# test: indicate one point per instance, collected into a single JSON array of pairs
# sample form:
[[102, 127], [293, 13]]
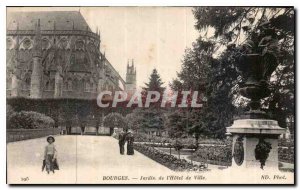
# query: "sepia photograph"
[[150, 95]]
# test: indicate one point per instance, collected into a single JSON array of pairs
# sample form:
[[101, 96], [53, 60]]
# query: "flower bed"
[[214, 154], [167, 160], [213, 151], [286, 154], [187, 142]]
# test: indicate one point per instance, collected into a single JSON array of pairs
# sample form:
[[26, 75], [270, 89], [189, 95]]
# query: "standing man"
[[122, 142]]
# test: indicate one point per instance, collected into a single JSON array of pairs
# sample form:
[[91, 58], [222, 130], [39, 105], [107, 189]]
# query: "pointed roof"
[[63, 20]]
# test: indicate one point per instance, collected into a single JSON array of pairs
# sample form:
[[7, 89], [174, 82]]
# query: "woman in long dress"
[[130, 140]]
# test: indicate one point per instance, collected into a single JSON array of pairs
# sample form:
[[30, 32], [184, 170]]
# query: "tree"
[[176, 124], [211, 62], [114, 120], [155, 83], [233, 26], [134, 120], [152, 117]]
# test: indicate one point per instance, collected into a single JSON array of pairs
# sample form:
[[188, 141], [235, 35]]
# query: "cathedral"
[[57, 55]]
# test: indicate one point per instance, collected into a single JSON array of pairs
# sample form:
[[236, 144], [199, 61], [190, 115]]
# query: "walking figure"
[[130, 140], [122, 142], [50, 155]]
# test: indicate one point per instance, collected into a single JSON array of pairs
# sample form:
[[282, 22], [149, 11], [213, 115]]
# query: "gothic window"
[[9, 43], [26, 83], [63, 43], [87, 87], [75, 84], [52, 84], [27, 43], [81, 85], [94, 88], [92, 47], [66, 86], [79, 45], [47, 85], [45, 44], [70, 85], [72, 59]]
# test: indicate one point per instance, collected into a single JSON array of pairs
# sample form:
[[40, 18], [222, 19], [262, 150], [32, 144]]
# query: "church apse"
[[55, 54]]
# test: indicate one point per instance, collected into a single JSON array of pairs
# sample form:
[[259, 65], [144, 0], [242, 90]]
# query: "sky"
[[155, 37]]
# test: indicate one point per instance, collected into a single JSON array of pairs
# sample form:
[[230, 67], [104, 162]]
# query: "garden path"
[[97, 156]]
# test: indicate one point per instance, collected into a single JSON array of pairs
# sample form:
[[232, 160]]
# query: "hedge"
[[29, 120], [65, 109]]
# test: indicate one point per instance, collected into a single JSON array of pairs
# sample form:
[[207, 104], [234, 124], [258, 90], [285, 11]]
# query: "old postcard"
[[150, 95]]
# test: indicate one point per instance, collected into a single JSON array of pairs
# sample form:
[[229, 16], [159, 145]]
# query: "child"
[[50, 155]]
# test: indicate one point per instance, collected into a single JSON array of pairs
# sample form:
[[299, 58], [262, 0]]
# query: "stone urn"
[[255, 72]]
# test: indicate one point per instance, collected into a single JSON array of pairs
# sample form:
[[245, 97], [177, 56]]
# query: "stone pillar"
[[37, 70], [15, 85], [58, 83], [35, 89], [248, 136]]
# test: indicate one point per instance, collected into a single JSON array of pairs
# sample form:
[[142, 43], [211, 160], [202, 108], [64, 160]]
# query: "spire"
[[37, 38], [132, 63], [127, 64]]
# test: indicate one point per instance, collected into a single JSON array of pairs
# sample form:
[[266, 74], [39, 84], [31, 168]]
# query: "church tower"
[[130, 86], [37, 70]]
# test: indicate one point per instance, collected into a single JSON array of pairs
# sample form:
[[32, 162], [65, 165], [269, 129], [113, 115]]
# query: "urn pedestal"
[[255, 144]]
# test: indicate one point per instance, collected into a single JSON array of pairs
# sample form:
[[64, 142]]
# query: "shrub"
[[29, 120]]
